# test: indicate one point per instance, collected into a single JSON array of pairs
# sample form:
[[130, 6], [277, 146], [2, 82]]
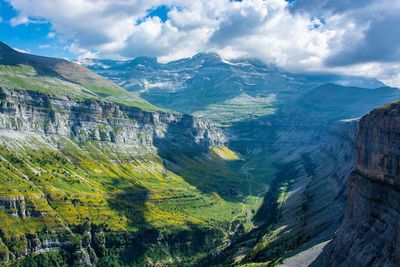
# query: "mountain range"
[[195, 162], [205, 84]]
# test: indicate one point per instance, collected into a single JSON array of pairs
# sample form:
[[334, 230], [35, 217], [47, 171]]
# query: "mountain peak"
[[4, 48], [208, 56], [4, 45], [144, 60]]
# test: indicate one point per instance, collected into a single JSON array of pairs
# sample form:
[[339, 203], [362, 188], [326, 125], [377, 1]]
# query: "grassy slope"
[[61, 77], [112, 188], [240, 108]]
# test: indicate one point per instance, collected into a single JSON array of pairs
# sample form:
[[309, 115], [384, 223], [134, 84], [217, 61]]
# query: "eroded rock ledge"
[[90, 119]]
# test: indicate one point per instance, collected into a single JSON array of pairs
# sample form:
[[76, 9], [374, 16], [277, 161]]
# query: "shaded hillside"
[[307, 151], [346, 102]]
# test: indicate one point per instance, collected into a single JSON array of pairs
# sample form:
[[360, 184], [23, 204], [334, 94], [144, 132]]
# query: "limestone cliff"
[[369, 235], [86, 119]]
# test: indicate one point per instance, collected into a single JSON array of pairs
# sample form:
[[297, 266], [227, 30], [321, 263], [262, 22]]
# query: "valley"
[[196, 162], [296, 132]]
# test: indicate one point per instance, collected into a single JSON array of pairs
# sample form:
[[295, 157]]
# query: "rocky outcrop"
[[19, 206], [369, 235], [87, 119], [15, 206]]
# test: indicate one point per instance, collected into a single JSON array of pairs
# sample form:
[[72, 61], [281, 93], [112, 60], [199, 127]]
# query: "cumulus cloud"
[[380, 42], [241, 20], [302, 35], [375, 36], [122, 28]]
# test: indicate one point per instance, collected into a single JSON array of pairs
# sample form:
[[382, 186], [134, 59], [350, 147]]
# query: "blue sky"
[[360, 37], [33, 38]]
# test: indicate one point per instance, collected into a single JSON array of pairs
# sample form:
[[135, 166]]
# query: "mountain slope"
[[86, 179], [345, 101], [61, 77]]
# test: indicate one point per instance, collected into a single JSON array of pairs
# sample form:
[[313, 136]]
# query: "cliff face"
[[84, 120], [89, 170], [369, 235], [127, 142]]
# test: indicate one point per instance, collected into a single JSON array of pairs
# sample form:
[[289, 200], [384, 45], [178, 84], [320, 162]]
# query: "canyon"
[[197, 162]]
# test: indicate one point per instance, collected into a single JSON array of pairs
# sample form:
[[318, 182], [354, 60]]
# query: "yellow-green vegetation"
[[25, 77], [224, 153], [69, 183], [133, 100]]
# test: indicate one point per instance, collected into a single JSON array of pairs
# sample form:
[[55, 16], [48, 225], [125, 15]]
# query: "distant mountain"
[[193, 84], [345, 101]]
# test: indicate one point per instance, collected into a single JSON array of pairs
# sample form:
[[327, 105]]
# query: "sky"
[[360, 37]]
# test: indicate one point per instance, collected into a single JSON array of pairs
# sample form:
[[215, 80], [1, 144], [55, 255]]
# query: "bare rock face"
[[85, 120], [370, 233]]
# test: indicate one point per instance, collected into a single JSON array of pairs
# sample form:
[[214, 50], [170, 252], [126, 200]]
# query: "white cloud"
[[51, 35], [18, 20], [389, 73], [229, 27], [266, 29], [81, 52]]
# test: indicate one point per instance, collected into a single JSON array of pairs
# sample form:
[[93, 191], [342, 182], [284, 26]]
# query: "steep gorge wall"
[[309, 202], [369, 235], [83, 120]]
